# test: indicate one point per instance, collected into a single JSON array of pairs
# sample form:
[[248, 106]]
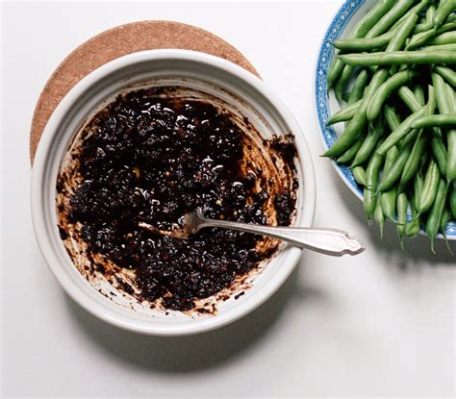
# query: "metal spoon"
[[326, 241]]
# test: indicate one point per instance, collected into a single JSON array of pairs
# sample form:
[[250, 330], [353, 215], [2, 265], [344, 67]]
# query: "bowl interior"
[[196, 71], [342, 24]]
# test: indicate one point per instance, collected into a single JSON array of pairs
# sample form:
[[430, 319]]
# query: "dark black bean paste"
[[151, 159]]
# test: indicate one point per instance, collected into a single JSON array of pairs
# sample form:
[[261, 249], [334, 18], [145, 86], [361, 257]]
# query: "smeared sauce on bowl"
[[151, 155]]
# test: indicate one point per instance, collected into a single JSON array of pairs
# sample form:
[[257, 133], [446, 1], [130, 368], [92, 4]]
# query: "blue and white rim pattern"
[[337, 26]]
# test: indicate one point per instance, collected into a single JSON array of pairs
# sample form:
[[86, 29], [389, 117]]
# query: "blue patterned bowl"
[[326, 104]]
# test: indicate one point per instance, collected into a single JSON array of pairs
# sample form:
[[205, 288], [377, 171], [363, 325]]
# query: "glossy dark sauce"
[[152, 158]]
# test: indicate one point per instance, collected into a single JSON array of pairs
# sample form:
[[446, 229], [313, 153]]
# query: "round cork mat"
[[117, 42]]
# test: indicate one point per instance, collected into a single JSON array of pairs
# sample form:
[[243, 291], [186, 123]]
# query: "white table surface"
[[380, 324]]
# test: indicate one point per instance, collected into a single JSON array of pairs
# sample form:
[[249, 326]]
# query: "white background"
[[380, 324]]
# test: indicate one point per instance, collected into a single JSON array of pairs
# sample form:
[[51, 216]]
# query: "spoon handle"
[[324, 240]]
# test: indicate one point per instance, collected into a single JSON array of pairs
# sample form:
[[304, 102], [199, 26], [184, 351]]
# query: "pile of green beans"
[[395, 77]]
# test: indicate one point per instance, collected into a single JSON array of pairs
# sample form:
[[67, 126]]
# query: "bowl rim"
[[48, 246], [326, 53]]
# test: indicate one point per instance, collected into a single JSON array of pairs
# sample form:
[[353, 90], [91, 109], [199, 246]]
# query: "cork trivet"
[[119, 41]]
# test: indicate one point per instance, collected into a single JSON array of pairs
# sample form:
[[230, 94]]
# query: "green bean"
[[409, 99], [448, 26], [372, 18], [368, 145], [400, 58], [432, 101], [417, 9], [392, 176], [440, 153], [345, 113], [451, 138], [428, 25], [388, 201], [377, 80], [418, 185], [360, 30], [443, 11], [403, 32], [430, 14], [443, 100], [427, 37], [441, 47], [419, 94], [410, 138], [436, 212], [352, 132], [372, 172], [446, 217], [389, 18], [370, 201], [446, 104], [422, 6], [412, 227], [385, 90], [400, 37], [348, 155], [334, 71], [428, 121], [357, 91], [390, 158], [444, 38], [360, 175], [419, 39], [430, 107], [413, 162], [452, 94], [391, 117], [402, 205], [363, 44], [359, 121], [453, 201], [379, 217], [430, 185], [341, 84], [403, 129], [448, 74], [422, 26]]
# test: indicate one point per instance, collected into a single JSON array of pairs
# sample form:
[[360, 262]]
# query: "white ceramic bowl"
[[205, 72]]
